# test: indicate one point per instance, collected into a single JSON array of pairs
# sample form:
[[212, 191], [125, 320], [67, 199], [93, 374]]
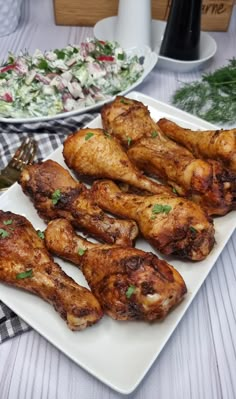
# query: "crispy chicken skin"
[[40, 181], [180, 169], [215, 144], [173, 225], [127, 120], [202, 181], [23, 251], [92, 153], [129, 283]]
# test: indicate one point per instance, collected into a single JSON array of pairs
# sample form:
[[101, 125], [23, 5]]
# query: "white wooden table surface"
[[199, 360]]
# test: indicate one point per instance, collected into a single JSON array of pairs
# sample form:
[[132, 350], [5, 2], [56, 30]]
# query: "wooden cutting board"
[[215, 13]]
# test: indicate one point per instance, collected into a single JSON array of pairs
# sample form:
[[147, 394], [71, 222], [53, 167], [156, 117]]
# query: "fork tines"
[[24, 155]]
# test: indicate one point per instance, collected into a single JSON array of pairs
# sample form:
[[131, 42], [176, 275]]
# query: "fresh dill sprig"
[[213, 98]]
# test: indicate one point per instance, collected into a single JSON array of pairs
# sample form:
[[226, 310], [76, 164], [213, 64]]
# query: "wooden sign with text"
[[215, 13]]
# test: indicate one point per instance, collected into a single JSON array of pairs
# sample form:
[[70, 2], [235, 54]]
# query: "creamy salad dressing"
[[64, 80]]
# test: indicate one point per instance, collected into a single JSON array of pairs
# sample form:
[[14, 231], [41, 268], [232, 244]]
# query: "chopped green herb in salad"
[[67, 79]]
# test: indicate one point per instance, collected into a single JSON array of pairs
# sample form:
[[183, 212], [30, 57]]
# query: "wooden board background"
[[215, 13]]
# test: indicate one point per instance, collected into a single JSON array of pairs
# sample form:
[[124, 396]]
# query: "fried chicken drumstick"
[[125, 118], [214, 144], [130, 284], [94, 154], [26, 263], [56, 194], [184, 172], [206, 183], [203, 182], [173, 225]]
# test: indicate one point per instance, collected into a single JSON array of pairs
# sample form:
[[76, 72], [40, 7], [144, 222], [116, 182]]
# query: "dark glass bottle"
[[182, 34]]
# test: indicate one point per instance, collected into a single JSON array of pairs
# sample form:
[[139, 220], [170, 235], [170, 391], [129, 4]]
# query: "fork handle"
[[4, 182], [10, 174]]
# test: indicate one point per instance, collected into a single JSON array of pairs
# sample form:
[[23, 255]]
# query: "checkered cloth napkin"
[[49, 135]]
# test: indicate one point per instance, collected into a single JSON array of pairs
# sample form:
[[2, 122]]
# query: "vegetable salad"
[[67, 79]]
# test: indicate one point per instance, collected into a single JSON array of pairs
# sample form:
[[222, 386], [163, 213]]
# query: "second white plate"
[[150, 60], [105, 30]]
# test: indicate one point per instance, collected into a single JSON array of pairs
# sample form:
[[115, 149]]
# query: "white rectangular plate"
[[117, 353]]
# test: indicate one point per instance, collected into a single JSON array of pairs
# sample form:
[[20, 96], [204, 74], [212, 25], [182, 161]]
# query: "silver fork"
[[23, 156]]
